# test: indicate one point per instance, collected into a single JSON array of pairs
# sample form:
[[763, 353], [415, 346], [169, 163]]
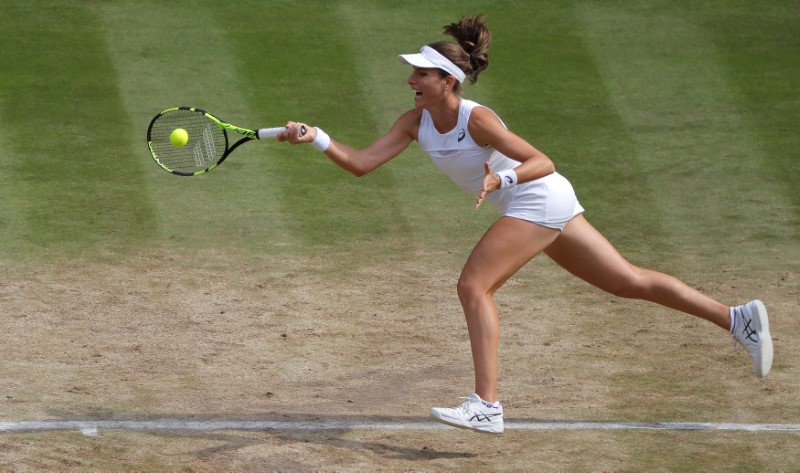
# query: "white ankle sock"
[[496, 404]]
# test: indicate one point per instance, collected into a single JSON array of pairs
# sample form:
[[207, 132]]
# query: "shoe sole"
[[486, 428], [764, 363]]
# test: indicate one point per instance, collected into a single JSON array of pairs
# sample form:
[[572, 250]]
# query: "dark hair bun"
[[474, 37]]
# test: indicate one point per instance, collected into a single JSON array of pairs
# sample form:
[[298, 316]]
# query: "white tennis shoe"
[[472, 414], [751, 330]]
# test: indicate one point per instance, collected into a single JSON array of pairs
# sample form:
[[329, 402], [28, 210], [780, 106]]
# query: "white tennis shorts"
[[549, 201]]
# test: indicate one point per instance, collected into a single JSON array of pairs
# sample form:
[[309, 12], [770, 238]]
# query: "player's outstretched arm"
[[358, 161]]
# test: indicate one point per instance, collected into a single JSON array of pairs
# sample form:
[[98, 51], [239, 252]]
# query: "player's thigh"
[[504, 248], [586, 253]]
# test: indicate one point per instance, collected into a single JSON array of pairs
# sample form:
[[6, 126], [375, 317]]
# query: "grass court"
[[279, 288]]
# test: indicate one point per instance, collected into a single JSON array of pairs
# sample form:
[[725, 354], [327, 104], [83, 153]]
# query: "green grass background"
[[675, 120]]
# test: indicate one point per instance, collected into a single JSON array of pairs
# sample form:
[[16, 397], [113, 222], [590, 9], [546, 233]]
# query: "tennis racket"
[[207, 145]]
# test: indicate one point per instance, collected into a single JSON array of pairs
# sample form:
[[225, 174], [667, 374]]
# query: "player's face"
[[428, 85]]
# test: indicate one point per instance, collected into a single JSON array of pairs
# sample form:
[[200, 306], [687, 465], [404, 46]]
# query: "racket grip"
[[264, 133]]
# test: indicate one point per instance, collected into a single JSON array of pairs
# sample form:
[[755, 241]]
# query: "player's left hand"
[[490, 183]]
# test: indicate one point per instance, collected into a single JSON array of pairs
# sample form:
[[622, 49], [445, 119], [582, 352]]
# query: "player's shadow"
[[385, 450], [231, 440], [328, 437]]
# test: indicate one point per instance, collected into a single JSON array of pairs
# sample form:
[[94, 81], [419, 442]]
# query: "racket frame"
[[248, 135]]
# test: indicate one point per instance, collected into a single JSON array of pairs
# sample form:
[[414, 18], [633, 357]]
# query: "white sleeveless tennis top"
[[548, 201]]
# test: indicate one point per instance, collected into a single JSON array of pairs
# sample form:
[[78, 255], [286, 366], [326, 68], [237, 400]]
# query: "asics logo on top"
[[483, 417], [749, 333], [509, 180], [461, 135]]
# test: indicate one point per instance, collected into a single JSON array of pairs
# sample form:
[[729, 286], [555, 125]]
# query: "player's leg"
[[584, 252], [504, 249]]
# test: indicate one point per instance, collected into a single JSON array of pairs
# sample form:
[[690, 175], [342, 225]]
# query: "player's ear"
[[450, 82]]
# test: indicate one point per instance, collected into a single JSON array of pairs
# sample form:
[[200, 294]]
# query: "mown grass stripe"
[[13, 221], [63, 121], [330, 209], [195, 62], [762, 66], [693, 143]]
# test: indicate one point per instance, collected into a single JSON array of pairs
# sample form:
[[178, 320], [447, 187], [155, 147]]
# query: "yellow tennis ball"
[[179, 137]]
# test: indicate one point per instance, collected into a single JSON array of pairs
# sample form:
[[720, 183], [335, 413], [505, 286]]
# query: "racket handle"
[[264, 133]]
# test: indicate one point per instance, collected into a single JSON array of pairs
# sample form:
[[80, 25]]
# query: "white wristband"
[[508, 178], [321, 140]]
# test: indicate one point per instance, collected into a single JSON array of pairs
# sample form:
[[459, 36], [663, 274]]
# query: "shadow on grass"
[[329, 431]]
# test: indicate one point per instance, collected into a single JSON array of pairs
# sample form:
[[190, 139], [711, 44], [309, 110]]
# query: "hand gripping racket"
[[207, 145]]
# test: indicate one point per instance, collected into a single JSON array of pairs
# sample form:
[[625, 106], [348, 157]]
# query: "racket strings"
[[206, 145]]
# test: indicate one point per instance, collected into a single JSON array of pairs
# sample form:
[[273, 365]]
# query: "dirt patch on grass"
[[225, 338]]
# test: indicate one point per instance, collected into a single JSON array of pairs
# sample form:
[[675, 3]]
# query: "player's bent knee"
[[469, 289]]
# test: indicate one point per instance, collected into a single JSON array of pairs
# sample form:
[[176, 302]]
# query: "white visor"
[[429, 58]]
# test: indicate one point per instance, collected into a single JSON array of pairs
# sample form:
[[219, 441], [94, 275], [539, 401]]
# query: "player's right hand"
[[297, 132]]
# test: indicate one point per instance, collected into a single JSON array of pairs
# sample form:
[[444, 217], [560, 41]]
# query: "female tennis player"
[[540, 213]]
